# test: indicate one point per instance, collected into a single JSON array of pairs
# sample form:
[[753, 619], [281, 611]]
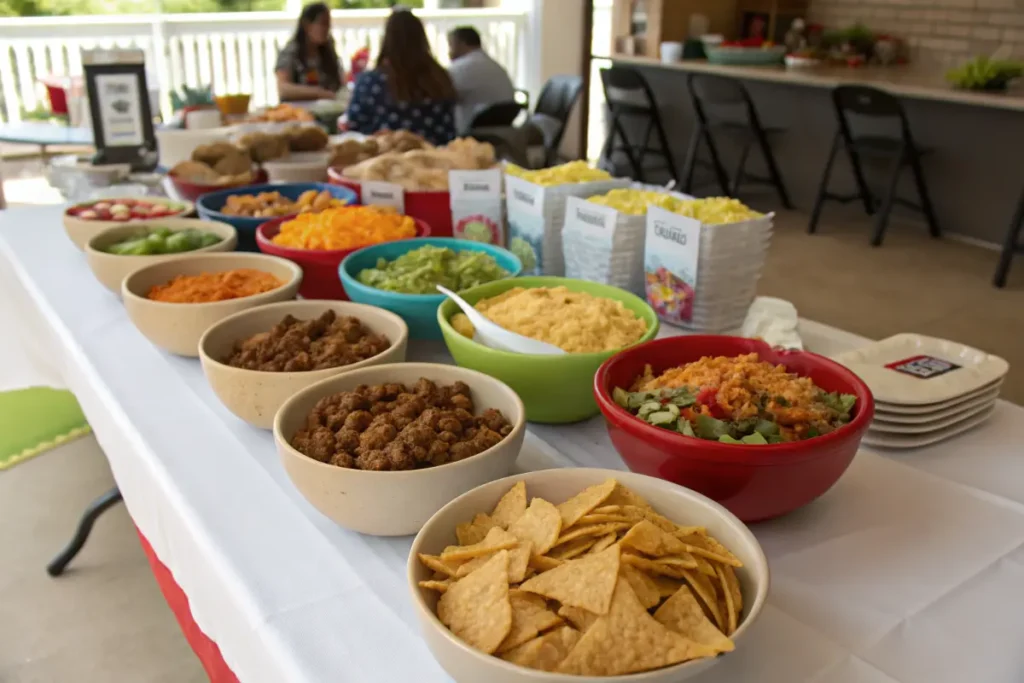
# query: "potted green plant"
[[984, 73]]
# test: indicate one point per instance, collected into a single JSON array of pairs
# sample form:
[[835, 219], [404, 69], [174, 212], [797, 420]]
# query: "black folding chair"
[[497, 115], [723, 105], [1011, 245], [629, 97], [549, 117], [877, 106]]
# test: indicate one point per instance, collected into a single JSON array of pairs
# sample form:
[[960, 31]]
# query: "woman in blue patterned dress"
[[408, 89]]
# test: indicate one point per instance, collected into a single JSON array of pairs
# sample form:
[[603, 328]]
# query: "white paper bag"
[[476, 204]]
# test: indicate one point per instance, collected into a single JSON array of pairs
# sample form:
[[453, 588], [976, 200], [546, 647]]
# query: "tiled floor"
[[106, 622]]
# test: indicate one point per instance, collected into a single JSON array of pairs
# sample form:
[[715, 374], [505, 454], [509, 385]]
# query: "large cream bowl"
[[177, 327], [111, 269], [256, 395], [396, 503], [683, 506]]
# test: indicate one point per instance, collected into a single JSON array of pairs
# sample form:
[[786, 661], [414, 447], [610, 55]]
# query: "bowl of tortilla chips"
[[584, 575]]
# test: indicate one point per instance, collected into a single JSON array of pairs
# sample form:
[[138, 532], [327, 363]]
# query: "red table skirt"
[[207, 650]]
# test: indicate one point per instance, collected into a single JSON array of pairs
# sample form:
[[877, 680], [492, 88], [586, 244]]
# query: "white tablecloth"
[[910, 570]]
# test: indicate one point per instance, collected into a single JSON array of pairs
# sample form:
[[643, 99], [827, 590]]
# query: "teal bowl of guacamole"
[[401, 277]]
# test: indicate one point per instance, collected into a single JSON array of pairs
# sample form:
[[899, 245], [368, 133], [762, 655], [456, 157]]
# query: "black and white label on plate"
[[923, 367], [378, 193]]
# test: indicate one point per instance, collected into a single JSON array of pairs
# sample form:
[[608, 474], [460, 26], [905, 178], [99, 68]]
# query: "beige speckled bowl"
[[683, 506], [111, 269], [254, 395], [178, 327], [81, 231], [396, 503]]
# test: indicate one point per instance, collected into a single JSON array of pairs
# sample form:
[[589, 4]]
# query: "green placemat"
[[32, 421]]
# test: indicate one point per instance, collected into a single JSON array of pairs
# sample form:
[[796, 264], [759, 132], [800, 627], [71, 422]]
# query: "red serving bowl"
[[754, 482], [320, 279], [192, 191], [434, 207]]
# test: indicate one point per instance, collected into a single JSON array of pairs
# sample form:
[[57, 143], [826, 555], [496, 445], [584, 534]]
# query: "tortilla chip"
[[585, 501], [543, 563], [732, 584], [683, 614], [438, 565], [594, 518], [495, 540], [477, 608], [602, 543], [708, 547], [667, 585], [646, 590], [607, 510], [628, 640], [650, 540], [511, 506], [659, 566], [705, 590], [545, 652], [440, 586], [703, 566], [470, 533], [540, 525], [569, 550], [587, 582], [594, 530], [580, 618], [518, 556], [623, 496], [731, 613], [530, 616]]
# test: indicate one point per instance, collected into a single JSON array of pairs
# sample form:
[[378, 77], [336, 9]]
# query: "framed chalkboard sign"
[[122, 121]]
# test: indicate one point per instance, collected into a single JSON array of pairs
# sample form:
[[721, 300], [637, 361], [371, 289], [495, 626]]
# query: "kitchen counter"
[[906, 80], [973, 140]]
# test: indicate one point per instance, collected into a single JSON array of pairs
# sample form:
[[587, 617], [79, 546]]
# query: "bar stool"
[[630, 97], [877, 106], [723, 104], [1012, 245]]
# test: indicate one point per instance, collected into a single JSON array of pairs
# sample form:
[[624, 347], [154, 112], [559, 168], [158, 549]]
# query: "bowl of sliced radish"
[[85, 220]]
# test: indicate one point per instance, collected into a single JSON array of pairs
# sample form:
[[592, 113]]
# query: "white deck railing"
[[235, 52]]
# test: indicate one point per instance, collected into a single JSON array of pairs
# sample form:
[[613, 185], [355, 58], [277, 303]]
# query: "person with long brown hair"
[[307, 67], [408, 89]]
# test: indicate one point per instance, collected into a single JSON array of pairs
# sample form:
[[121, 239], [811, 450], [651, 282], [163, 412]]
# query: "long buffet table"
[[910, 570]]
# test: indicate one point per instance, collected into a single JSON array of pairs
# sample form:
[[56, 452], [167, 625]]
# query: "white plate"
[[948, 370], [983, 396], [925, 408], [882, 427], [897, 441]]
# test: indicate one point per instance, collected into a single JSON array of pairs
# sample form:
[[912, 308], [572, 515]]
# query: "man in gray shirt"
[[479, 80]]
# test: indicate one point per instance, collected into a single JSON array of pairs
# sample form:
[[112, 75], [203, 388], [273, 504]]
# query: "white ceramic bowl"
[[255, 395], [111, 269], [178, 327], [683, 506], [396, 503], [299, 167], [80, 231]]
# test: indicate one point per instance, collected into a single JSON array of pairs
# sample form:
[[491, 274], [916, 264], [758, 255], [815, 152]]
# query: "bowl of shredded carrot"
[[319, 242], [173, 302]]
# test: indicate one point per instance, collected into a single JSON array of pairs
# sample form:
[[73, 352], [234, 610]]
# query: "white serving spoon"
[[497, 337]]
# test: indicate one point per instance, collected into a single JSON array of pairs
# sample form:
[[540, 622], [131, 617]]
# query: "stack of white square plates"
[[926, 390]]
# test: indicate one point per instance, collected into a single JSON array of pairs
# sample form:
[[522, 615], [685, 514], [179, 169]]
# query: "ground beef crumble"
[[389, 427], [329, 341]]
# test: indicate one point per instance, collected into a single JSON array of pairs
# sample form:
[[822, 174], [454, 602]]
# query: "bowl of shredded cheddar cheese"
[[318, 242]]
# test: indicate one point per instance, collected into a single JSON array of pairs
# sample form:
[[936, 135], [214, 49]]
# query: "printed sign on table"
[[477, 212], [379, 193], [587, 239], [671, 258], [525, 223]]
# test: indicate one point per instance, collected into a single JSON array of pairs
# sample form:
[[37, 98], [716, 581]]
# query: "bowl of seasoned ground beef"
[[257, 359], [381, 449]]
